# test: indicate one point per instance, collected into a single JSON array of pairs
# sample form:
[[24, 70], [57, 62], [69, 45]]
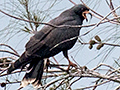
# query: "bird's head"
[[81, 10]]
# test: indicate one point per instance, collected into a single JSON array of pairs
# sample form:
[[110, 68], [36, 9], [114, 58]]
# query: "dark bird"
[[48, 42]]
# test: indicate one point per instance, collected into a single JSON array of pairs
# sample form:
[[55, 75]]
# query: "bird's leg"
[[46, 64], [65, 53], [71, 64]]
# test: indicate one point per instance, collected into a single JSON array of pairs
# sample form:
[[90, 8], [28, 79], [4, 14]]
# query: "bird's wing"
[[39, 36], [36, 40], [49, 35]]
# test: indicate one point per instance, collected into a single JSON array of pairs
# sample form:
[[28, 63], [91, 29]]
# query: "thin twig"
[[55, 60], [47, 85], [10, 48], [93, 85], [73, 82], [72, 2], [28, 14], [30, 21], [102, 64], [75, 26], [10, 52], [110, 44]]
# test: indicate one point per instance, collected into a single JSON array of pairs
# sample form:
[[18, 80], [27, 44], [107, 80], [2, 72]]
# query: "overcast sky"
[[82, 54]]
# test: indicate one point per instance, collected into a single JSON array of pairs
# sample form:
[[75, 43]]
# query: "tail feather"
[[35, 74], [35, 70], [20, 63]]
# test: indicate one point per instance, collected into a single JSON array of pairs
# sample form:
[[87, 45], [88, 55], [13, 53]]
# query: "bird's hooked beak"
[[84, 14]]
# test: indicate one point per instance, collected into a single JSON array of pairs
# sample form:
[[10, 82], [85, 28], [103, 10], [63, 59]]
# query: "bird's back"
[[49, 37]]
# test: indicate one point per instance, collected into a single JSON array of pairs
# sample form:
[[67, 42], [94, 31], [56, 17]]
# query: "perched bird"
[[48, 42]]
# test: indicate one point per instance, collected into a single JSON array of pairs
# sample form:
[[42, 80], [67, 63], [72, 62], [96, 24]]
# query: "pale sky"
[[82, 54]]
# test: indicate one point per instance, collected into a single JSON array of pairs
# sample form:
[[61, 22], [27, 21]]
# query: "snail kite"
[[48, 42]]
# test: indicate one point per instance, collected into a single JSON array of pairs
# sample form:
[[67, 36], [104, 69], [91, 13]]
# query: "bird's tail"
[[34, 74], [20, 63], [35, 70]]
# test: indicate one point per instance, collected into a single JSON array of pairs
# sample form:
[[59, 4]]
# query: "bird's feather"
[[47, 43]]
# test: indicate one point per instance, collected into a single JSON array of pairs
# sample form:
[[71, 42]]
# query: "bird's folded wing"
[[36, 40]]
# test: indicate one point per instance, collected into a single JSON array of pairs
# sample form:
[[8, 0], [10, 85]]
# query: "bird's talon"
[[71, 64]]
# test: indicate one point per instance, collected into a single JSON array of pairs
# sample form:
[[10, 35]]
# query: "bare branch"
[[109, 44], [74, 82], [26, 20], [72, 2], [93, 85], [10, 52], [10, 48]]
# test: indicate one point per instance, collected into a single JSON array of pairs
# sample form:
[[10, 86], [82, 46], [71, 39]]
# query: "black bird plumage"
[[40, 46]]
